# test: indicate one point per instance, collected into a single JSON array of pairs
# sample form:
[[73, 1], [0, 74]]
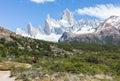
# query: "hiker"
[[34, 60]]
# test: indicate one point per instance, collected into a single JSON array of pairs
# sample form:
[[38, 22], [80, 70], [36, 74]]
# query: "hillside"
[[58, 61]]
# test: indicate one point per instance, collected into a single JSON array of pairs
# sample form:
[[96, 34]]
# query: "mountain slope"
[[6, 34], [107, 33]]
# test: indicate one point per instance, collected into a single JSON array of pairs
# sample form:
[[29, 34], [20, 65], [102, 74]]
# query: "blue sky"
[[18, 13]]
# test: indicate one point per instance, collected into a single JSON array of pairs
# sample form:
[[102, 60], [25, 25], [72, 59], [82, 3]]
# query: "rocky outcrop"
[[6, 34]]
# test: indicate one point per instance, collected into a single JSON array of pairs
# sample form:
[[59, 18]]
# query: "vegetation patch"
[[63, 59]]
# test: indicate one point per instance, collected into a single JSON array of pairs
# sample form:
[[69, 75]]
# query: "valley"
[[58, 61]]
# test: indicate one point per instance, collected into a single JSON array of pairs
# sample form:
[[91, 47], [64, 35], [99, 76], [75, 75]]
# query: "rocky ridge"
[[107, 33]]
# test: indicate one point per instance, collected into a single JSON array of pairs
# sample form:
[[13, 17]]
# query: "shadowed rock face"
[[107, 33], [66, 35]]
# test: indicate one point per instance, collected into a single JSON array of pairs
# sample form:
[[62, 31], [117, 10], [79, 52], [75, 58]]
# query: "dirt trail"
[[5, 76]]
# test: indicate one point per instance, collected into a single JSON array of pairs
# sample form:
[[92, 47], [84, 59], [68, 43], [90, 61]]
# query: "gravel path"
[[5, 76]]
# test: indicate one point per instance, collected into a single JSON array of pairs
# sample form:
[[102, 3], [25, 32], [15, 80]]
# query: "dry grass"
[[8, 64]]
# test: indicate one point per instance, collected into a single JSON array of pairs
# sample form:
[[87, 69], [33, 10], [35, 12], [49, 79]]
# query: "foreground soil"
[[5, 76]]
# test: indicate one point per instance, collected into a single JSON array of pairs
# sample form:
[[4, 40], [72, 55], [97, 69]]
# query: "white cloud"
[[101, 11], [42, 1]]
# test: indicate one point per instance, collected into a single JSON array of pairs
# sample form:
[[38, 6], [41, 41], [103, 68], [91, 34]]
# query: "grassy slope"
[[88, 59]]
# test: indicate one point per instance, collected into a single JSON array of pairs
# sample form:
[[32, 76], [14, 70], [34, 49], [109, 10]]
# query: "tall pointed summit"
[[68, 16]]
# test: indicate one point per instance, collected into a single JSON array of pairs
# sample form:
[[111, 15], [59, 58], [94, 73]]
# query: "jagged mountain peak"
[[29, 25], [50, 20], [68, 16], [56, 28], [29, 28], [48, 16], [108, 32], [112, 21], [66, 11]]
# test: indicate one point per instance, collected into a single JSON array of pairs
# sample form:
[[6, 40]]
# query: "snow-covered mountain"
[[107, 32], [67, 19], [54, 29], [113, 21]]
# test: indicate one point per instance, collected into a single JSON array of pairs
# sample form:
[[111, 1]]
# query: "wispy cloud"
[[42, 1], [100, 11]]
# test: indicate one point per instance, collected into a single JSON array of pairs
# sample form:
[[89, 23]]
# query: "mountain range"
[[67, 29], [54, 29], [107, 32]]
